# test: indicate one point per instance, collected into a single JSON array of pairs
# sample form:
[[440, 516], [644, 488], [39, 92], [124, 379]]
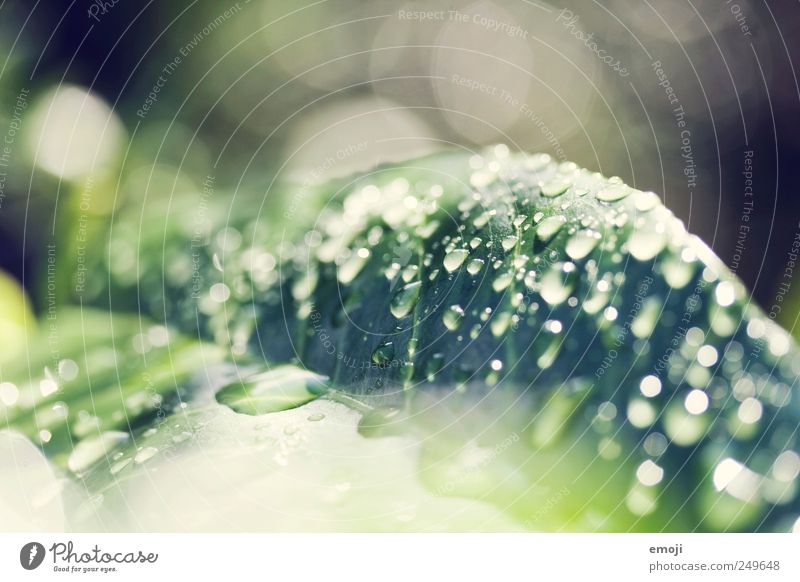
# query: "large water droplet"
[[454, 259], [405, 300], [279, 389]]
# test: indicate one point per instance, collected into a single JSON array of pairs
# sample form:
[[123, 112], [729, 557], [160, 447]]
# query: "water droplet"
[[474, 266], [614, 192], [502, 281], [379, 421], [279, 389], [88, 451], [537, 162], [434, 366], [548, 344], [725, 294], [219, 292], [509, 242], [645, 321], [677, 273], [555, 187], [750, 411], [646, 201], [351, 267], [786, 467], [454, 259], [119, 466], [181, 437], [645, 243], [383, 354], [316, 417], [500, 323], [650, 386], [410, 273], [641, 413], [67, 370], [707, 356], [649, 474], [557, 283], [696, 402], [549, 227], [582, 243], [405, 300], [453, 317], [145, 454], [9, 393], [655, 444]]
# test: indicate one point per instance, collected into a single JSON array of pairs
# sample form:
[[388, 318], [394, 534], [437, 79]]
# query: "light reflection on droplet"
[[650, 386], [696, 402], [649, 474]]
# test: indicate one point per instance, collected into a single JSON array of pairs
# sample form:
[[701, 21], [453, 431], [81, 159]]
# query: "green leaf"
[[553, 340]]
